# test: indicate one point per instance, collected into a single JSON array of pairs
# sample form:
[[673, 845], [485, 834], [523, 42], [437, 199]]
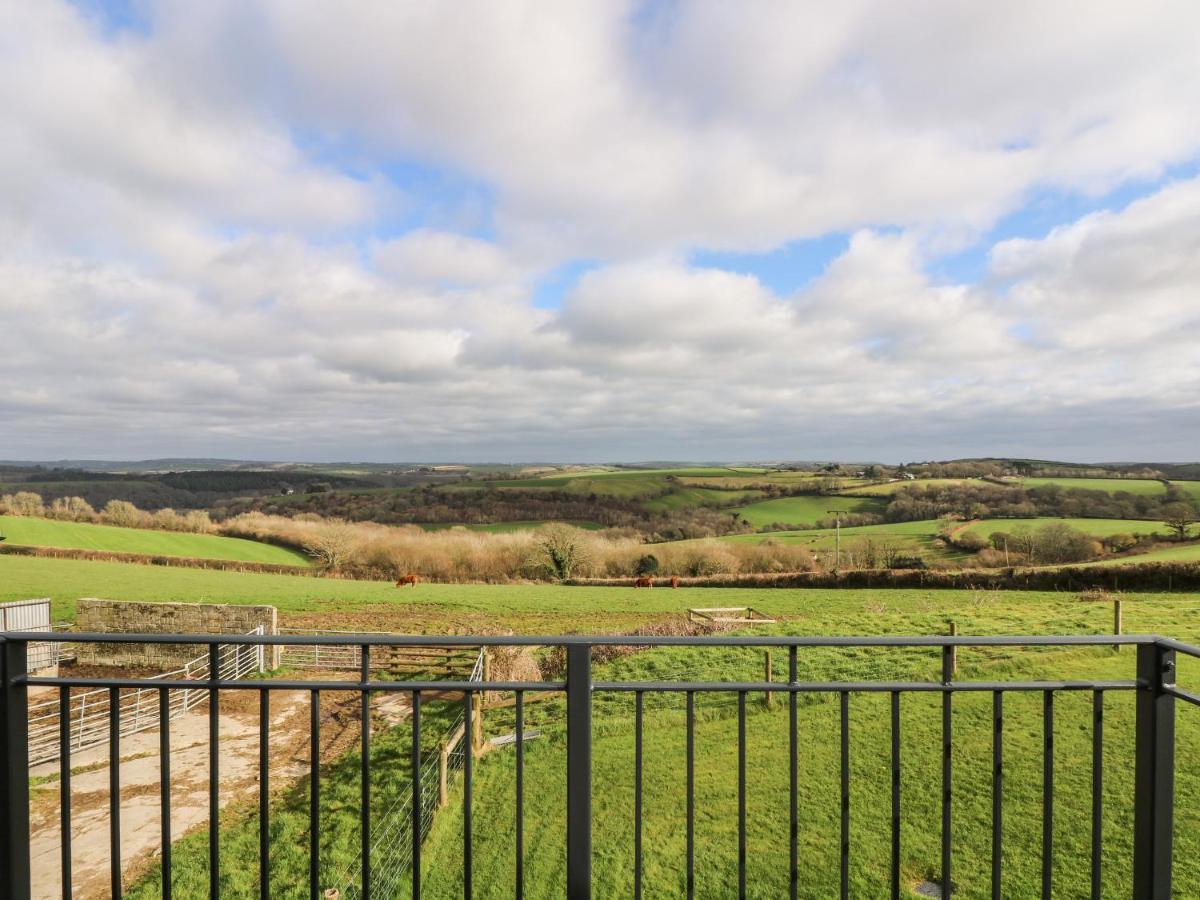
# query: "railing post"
[[579, 772], [14, 772], [1154, 774]]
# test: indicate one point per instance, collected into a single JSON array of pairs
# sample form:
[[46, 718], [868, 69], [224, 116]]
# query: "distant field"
[[1183, 553], [1096, 527], [1110, 485], [76, 535], [890, 487], [804, 510], [687, 498]]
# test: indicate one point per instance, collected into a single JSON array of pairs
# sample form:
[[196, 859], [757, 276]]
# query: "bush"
[[647, 565]]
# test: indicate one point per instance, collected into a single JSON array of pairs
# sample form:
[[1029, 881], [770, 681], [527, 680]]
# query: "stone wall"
[[119, 617]]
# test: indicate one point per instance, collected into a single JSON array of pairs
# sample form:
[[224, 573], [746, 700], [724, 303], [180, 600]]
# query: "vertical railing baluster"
[[948, 666], [520, 811], [415, 758], [741, 790], [844, 866], [793, 780], [579, 772], [64, 782], [1047, 794], [639, 703], [14, 771], [164, 787], [314, 795], [264, 794], [895, 868], [214, 775], [1097, 790], [364, 773], [1154, 773], [997, 792], [468, 751], [114, 790], [691, 795]]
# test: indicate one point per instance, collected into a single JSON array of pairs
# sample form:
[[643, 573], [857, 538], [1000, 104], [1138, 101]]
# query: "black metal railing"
[[1155, 688]]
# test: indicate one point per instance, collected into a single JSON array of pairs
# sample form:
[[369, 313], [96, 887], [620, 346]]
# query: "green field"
[[690, 497], [804, 510], [917, 535], [34, 532], [1183, 554], [1094, 527], [804, 612], [890, 487], [1110, 485]]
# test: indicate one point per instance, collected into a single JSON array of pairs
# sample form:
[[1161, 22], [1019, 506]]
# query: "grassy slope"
[[806, 509], [76, 535], [1111, 485], [1096, 527], [689, 497]]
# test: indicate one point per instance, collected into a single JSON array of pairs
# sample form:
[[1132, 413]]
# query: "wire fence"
[[391, 845], [89, 710]]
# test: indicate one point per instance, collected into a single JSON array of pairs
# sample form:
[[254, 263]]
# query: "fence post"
[[953, 649], [579, 772], [1118, 623], [14, 772], [770, 698], [443, 774], [1154, 774]]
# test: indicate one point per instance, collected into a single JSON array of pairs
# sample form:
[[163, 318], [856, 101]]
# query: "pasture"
[[1095, 527], [1133, 486], [37, 532], [805, 509]]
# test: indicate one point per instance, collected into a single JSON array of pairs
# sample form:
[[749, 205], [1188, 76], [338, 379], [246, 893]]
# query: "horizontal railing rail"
[[1154, 687]]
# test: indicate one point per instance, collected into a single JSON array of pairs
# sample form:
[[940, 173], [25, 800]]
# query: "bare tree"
[[562, 549], [1179, 519], [332, 546]]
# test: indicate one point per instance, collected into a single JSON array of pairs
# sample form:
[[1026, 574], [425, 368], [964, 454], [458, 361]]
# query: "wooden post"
[[443, 772], [953, 650], [477, 725], [767, 678], [1118, 622]]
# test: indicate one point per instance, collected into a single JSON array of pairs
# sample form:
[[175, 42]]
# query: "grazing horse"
[[674, 582], [644, 581], [407, 579]]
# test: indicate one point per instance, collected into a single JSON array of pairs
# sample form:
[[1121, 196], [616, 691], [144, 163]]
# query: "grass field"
[[813, 612], [804, 509], [1110, 485], [35, 532], [890, 487], [1095, 527]]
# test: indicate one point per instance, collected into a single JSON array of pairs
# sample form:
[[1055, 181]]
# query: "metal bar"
[[415, 757], [895, 868], [793, 781], [1047, 795], [468, 769], [426, 640], [64, 782], [364, 777], [1097, 791], [164, 789], [579, 772], [947, 773], [691, 795], [314, 794], [1154, 774], [845, 798], [264, 796], [637, 795], [14, 768], [296, 685], [114, 791], [214, 775], [520, 824], [1181, 694], [741, 787], [997, 792]]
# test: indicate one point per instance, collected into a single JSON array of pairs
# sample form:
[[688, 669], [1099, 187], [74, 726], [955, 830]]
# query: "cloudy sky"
[[603, 230]]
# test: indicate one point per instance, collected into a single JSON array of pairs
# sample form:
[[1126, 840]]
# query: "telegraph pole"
[[837, 565]]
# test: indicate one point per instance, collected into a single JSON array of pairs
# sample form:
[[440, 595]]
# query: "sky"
[[599, 231]]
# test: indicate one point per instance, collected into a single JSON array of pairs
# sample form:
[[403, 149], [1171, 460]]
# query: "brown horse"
[[674, 582], [407, 579], [644, 581]]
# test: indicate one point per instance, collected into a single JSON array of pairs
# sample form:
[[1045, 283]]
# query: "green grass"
[[1110, 485], [1095, 527], [804, 509], [815, 612], [35, 532], [912, 536], [1184, 553], [891, 487]]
